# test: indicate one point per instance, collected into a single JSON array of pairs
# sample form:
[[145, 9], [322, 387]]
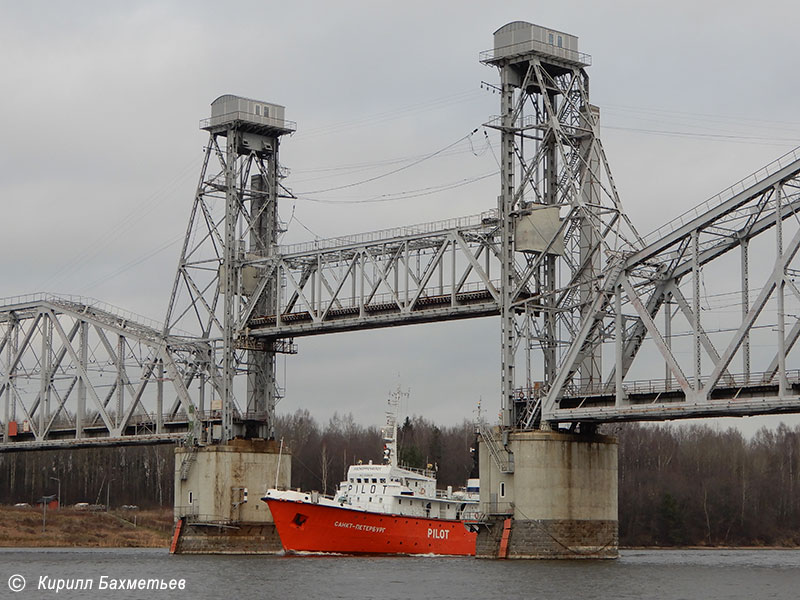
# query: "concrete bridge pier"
[[555, 498], [218, 490]]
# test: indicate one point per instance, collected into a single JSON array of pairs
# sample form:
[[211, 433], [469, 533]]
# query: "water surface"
[[661, 574]]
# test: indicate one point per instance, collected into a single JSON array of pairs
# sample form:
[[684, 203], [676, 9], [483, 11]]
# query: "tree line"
[[678, 485], [132, 475], [696, 485], [322, 454]]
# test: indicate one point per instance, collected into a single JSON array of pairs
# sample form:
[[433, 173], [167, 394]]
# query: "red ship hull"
[[306, 527]]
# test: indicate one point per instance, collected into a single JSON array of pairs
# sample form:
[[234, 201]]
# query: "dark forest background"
[[678, 485]]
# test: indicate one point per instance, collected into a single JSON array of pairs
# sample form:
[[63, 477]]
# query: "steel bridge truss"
[[584, 301], [432, 272], [79, 373], [634, 302]]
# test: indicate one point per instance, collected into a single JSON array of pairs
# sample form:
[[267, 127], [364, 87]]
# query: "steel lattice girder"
[[439, 275], [55, 352], [648, 277]]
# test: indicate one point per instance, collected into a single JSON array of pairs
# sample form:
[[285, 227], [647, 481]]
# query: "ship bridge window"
[[550, 39], [383, 479], [559, 41], [258, 110], [374, 480], [358, 480]]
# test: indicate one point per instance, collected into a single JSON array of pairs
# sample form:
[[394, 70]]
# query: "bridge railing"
[[492, 508], [661, 386], [148, 419], [724, 195], [552, 50], [87, 301], [387, 234]]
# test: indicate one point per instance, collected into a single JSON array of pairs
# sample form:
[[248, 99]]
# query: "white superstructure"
[[391, 489]]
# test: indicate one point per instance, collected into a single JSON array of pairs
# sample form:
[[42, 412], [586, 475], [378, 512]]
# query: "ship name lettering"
[[438, 534], [360, 527]]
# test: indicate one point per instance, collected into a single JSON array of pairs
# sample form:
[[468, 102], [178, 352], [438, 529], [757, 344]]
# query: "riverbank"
[[68, 527]]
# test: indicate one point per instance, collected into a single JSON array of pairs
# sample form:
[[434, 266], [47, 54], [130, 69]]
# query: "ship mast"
[[389, 430]]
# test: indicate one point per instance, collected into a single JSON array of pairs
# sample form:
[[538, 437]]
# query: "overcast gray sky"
[[101, 153]]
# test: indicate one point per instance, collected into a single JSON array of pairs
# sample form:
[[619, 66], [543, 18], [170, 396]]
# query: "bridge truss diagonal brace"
[[775, 280], [655, 334], [593, 319], [81, 371], [684, 307], [182, 392]]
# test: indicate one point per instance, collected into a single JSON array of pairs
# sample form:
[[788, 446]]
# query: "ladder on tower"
[[503, 458], [188, 460], [532, 412]]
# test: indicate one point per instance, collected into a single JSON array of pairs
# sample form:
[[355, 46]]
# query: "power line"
[[407, 194], [393, 171], [114, 233], [717, 136]]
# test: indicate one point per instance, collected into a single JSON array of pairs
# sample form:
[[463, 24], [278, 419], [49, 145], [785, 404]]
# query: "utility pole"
[[45, 500], [58, 498], [108, 495]]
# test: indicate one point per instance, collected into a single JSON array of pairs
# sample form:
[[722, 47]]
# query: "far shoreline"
[[68, 527]]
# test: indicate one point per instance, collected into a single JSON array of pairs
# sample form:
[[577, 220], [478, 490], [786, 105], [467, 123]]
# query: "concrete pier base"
[[241, 538], [560, 501], [218, 490]]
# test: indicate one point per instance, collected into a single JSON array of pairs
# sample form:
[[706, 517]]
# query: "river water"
[[660, 574]]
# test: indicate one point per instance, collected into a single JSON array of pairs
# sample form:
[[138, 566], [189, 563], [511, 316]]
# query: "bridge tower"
[[558, 206], [548, 493], [234, 221], [233, 225]]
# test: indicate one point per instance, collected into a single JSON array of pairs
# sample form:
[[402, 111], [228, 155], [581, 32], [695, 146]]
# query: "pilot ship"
[[379, 509]]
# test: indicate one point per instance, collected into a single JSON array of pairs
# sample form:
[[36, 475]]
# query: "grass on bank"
[[68, 527]]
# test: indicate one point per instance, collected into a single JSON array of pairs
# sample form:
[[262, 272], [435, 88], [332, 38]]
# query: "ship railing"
[[455, 495], [426, 472], [317, 496], [460, 495], [472, 515]]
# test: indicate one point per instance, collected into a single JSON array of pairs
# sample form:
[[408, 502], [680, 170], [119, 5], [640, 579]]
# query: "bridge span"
[[598, 322]]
